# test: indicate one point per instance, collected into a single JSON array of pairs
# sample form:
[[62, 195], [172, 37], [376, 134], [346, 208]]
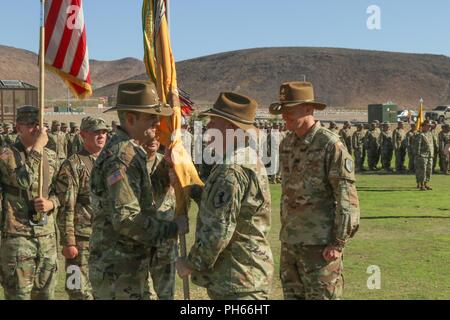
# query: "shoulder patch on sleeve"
[[115, 177], [349, 166]]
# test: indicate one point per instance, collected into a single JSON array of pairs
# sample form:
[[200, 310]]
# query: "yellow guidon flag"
[[420, 116], [160, 65]]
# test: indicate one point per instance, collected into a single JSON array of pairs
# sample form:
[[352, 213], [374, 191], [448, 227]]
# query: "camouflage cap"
[[72, 124], [375, 122], [55, 123], [93, 124], [63, 125], [27, 115]]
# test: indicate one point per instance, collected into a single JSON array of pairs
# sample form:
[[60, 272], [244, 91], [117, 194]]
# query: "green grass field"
[[403, 231]]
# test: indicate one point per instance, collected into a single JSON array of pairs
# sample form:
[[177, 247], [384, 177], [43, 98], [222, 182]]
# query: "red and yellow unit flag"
[[160, 65], [66, 52]]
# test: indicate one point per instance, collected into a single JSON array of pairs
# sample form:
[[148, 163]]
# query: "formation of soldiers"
[[424, 150], [108, 202]]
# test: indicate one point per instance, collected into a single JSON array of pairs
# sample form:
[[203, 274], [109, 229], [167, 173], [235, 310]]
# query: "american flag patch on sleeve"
[[114, 178]]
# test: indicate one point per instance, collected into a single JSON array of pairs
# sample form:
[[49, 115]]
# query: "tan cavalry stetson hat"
[[296, 93], [236, 108], [140, 96]]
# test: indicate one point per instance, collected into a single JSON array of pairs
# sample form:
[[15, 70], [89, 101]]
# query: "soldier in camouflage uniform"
[[410, 147], [57, 141], [231, 256], [424, 153], [386, 147], [74, 218], [400, 145], [319, 202], [124, 227], [333, 127], [74, 143], [435, 134], [9, 137], [64, 128], [373, 145], [358, 147], [346, 136], [444, 144], [161, 262], [28, 250]]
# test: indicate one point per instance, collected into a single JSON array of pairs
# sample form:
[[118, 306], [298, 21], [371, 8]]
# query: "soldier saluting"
[[319, 202], [25, 233]]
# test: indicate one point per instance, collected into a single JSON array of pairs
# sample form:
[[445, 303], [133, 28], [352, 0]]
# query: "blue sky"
[[202, 27]]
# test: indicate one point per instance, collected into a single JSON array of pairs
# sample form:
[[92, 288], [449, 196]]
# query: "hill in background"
[[344, 78]]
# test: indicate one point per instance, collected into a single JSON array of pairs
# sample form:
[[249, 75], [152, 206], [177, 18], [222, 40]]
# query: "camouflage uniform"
[[162, 257], [400, 145], [319, 207], [387, 149], [74, 141], [410, 147], [373, 147], [444, 141], [74, 218], [123, 226], [346, 137], [58, 143], [231, 256], [358, 141], [8, 137], [28, 253], [424, 153], [435, 135]]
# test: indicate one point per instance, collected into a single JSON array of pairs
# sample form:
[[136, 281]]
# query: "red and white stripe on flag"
[[66, 52]]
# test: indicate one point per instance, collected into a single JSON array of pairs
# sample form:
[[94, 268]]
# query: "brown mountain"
[[342, 77], [18, 64]]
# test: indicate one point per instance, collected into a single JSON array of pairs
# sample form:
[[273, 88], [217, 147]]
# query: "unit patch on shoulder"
[[349, 165]]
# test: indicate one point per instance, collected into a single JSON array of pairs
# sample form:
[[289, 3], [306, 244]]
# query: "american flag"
[[66, 52]]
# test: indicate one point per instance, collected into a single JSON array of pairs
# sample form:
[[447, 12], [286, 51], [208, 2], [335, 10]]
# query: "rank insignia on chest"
[[114, 178]]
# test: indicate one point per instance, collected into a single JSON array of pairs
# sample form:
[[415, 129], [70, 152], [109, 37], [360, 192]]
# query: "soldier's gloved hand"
[[41, 140], [182, 224], [330, 253], [182, 268], [43, 205], [70, 252]]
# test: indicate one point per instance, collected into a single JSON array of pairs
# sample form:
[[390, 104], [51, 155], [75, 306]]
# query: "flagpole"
[[41, 88]]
